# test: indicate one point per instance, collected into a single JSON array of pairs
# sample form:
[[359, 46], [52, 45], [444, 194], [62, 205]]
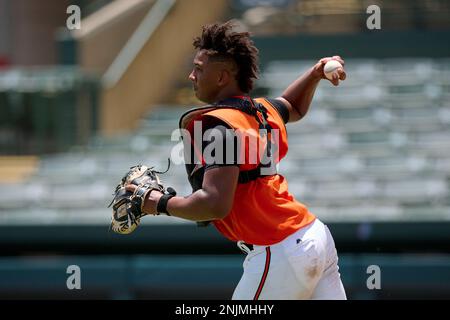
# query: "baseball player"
[[290, 252]]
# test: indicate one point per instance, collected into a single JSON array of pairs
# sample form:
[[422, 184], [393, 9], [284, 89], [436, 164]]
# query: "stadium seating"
[[375, 148]]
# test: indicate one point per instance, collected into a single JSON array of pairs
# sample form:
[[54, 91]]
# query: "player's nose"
[[192, 76]]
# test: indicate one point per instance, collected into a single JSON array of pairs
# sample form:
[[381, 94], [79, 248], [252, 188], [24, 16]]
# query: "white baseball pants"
[[302, 266]]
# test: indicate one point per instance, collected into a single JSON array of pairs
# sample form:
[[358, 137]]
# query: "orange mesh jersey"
[[263, 212]]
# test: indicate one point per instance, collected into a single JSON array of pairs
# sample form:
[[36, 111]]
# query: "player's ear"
[[224, 77]]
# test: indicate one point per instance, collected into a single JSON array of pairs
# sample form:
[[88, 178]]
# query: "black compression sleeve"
[[281, 108]]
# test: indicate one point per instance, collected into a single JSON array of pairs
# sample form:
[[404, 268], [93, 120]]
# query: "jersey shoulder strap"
[[246, 105]]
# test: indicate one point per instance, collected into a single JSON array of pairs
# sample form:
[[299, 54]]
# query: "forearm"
[[300, 93], [213, 201], [198, 206]]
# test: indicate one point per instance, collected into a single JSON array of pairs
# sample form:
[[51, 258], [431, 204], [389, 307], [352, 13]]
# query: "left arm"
[[213, 201]]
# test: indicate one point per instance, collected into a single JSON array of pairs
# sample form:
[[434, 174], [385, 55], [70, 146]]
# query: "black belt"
[[245, 247], [248, 245], [250, 175]]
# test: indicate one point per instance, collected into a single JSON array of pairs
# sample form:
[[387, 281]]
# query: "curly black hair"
[[220, 42]]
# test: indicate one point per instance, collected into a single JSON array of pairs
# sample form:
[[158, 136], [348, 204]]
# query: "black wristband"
[[161, 207]]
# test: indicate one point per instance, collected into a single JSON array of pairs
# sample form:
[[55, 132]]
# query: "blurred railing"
[[183, 262], [207, 277]]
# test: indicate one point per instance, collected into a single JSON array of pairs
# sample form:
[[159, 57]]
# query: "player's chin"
[[197, 94], [201, 97]]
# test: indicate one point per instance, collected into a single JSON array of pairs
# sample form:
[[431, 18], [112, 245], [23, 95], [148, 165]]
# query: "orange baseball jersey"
[[263, 212]]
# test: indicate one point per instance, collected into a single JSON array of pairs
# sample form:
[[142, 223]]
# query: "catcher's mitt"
[[127, 206]]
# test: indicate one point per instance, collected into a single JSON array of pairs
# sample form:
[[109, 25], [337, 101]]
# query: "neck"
[[228, 93]]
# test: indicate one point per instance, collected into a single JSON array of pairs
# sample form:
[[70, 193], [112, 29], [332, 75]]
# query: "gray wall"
[[27, 30], [5, 28]]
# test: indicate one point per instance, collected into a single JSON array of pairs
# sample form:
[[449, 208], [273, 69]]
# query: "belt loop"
[[241, 245]]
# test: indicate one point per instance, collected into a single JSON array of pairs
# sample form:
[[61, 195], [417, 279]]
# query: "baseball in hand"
[[330, 68]]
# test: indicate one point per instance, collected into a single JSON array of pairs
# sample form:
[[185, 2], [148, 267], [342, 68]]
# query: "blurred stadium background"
[[77, 108]]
